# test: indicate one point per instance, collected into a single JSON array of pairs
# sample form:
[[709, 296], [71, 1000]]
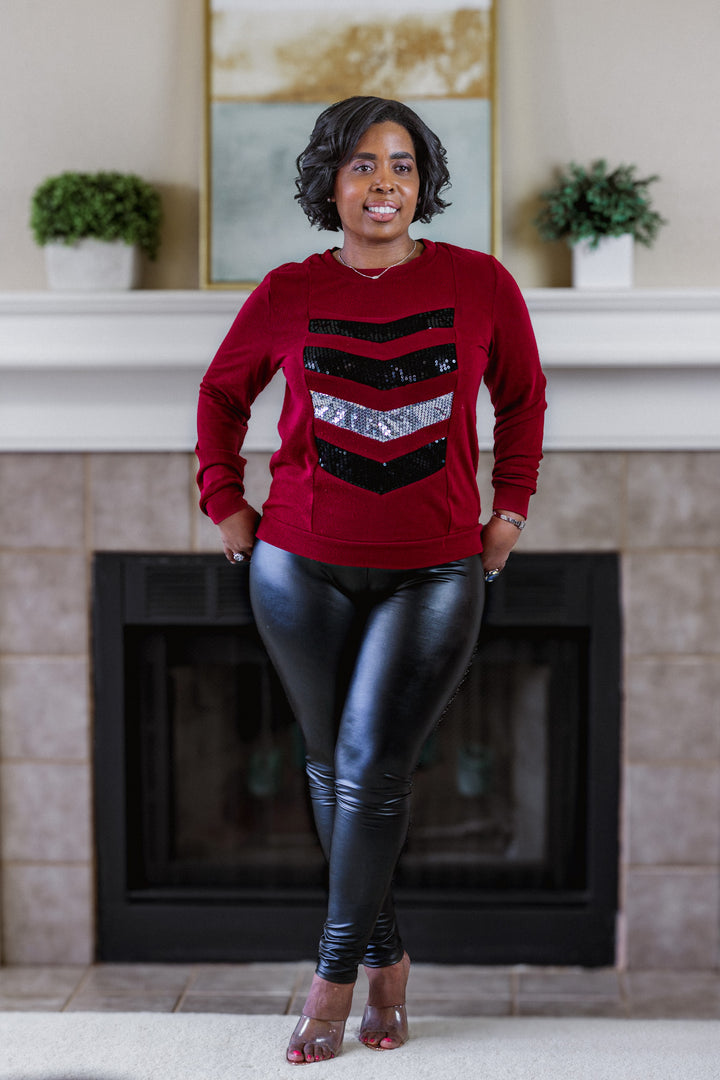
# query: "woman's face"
[[376, 190]]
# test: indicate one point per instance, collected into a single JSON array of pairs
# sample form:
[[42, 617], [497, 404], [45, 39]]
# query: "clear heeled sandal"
[[315, 1040], [384, 1023]]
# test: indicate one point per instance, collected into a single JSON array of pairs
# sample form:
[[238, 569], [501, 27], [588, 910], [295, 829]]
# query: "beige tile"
[[579, 503], [47, 914], [569, 992], [249, 978], [140, 502], [672, 604], [46, 812], [571, 1006], [252, 1004], [459, 981], [18, 980], [673, 814], [43, 500], [674, 499], [44, 708], [206, 537], [569, 982], [671, 709], [43, 605], [203, 532], [672, 918], [422, 1005], [142, 1001], [40, 1004], [38, 988], [257, 478], [137, 979], [484, 482], [674, 994]]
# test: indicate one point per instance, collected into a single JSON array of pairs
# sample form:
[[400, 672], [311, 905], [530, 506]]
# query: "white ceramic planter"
[[91, 265], [608, 266]]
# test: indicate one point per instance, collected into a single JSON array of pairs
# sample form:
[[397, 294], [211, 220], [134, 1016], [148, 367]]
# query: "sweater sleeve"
[[242, 366], [517, 390]]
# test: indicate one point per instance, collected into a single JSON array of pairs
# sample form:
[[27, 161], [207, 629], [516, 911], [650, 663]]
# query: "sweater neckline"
[[410, 268]]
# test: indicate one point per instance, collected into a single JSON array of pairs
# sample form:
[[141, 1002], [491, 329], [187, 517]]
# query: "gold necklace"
[[374, 277]]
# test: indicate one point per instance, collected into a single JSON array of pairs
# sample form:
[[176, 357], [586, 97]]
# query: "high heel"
[[315, 1040], [384, 1024]]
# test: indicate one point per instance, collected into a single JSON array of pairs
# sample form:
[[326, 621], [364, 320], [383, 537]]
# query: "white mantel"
[[627, 370]]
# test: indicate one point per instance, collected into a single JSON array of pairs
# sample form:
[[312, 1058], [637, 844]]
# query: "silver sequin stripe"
[[381, 425]]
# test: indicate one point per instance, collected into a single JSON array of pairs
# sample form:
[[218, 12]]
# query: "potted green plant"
[[93, 227], [600, 214]]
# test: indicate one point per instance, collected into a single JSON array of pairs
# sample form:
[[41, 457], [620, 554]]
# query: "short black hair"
[[337, 132]]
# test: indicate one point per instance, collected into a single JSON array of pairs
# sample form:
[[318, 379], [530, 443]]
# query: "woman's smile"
[[382, 211]]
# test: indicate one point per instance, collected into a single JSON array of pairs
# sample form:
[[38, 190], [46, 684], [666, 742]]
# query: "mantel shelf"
[[627, 369]]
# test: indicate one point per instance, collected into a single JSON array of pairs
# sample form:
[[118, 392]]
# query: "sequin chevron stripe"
[[381, 424], [389, 331], [382, 374], [382, 476]]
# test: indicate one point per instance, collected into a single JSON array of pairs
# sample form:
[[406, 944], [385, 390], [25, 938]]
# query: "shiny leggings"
[[368, 659]]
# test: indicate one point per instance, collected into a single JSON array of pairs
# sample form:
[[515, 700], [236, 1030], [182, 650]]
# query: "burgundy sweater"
[[379, 450]]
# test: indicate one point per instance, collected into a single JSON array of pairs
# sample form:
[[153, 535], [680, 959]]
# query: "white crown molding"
[[635, 369]]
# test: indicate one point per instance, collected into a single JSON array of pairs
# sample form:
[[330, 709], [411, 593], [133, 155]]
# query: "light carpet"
[[193, 1046]]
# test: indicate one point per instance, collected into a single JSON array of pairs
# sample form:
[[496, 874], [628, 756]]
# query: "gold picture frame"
[[269, 72]]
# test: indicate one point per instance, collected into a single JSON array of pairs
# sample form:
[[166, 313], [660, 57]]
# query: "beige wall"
[[101, 84], [92, 84], [630, 80]]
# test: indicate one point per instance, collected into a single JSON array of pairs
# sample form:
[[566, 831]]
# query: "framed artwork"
[[272, 68]]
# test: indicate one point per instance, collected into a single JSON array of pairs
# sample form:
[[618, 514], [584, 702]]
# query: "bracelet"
[[513, 521]]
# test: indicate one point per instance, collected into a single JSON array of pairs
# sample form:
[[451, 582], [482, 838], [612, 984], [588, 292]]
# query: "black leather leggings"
[[369, 659]]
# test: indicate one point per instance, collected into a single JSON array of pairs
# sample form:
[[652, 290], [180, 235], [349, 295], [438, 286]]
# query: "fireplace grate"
[[161, 589]]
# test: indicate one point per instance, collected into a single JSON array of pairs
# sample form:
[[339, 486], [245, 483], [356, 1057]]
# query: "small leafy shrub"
[[588, 204], [104, 205]]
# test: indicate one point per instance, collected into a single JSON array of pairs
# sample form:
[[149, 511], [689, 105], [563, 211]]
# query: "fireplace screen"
[[206, 848]]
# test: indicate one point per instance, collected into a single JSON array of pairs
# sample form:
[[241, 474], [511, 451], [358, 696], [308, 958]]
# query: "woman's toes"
[[389, 1042], [315, 1040]]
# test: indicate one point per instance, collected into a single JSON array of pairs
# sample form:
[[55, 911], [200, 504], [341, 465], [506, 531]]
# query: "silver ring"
[[492, 575], [240, 556]]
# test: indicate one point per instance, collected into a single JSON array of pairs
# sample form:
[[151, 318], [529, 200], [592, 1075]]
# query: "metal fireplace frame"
[[569, 592]]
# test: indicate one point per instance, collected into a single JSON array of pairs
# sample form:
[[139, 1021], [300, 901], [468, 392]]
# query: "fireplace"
[[101, 435], [204, 835]]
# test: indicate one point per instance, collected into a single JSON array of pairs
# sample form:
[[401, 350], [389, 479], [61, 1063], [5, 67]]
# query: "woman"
[[367, 564]]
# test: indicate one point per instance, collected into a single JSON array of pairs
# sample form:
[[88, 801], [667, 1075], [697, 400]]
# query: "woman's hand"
[[499, 538], [238, 533]]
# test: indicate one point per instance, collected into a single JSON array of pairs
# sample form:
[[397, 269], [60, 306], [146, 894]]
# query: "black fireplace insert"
[[205, 844]]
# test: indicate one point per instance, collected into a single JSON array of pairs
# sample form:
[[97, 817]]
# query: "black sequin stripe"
[[382, 374], [382, 476], [389, 331]]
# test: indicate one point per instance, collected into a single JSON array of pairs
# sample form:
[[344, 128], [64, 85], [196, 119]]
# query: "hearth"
[[204, 837]]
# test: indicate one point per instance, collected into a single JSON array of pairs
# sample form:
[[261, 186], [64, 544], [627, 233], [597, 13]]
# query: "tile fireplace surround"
[[96, 404]]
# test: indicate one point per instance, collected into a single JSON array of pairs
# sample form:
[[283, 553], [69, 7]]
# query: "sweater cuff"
[[512, 497], [224, 503]]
